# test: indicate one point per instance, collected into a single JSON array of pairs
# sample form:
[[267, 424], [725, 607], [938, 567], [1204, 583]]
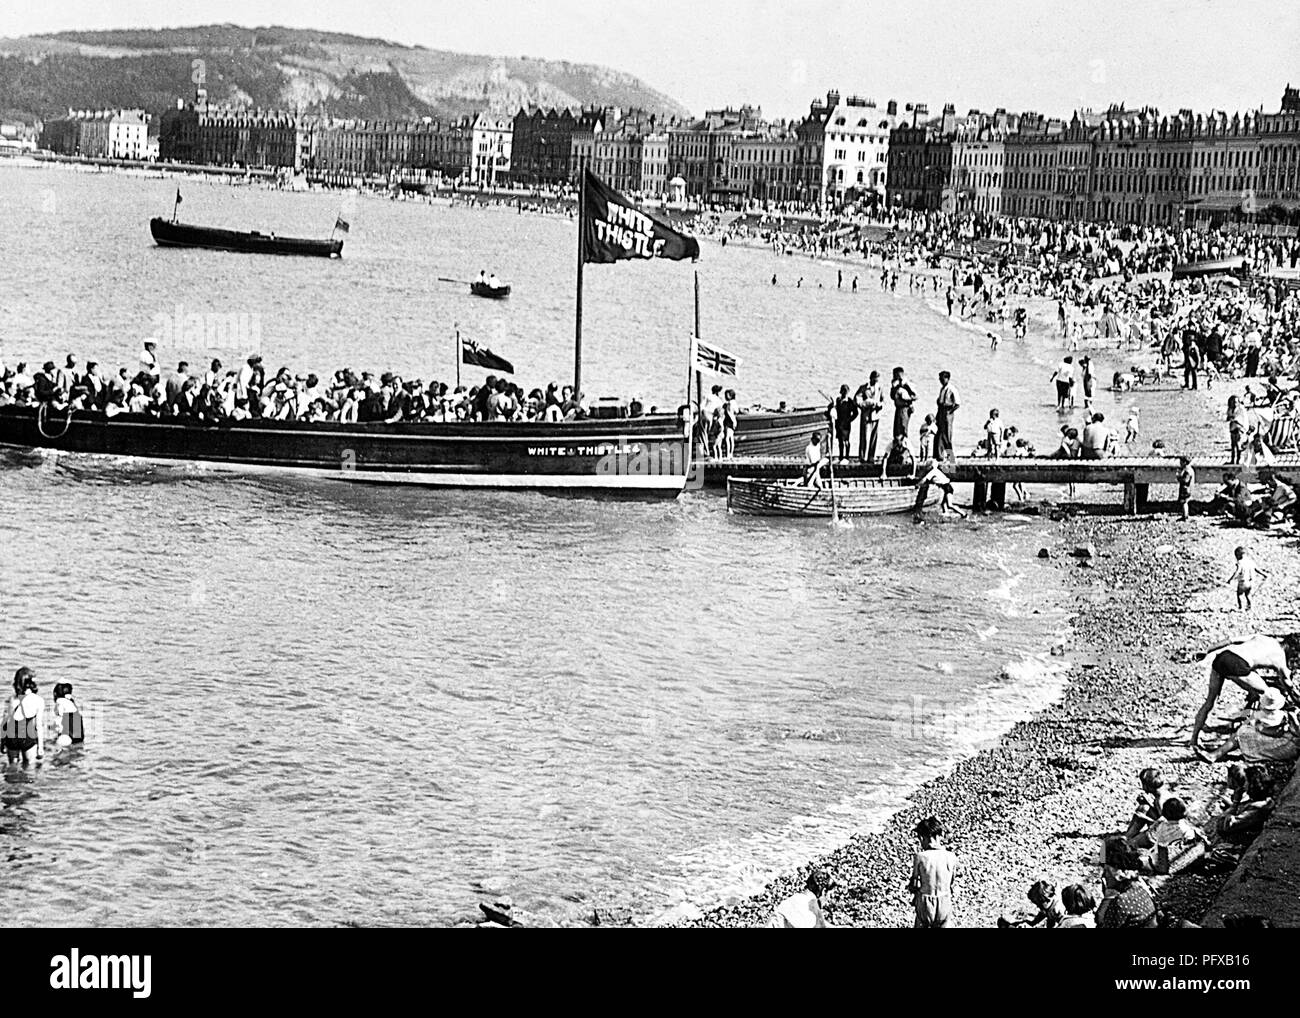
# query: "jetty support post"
[[1143, 493], [1130, 496], [979, 495]]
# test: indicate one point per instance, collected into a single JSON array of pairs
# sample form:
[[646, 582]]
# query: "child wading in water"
[[1245, 574], [933, 872], [67, 720]]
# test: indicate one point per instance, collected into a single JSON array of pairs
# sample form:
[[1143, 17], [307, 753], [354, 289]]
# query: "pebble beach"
[[1036, 805]]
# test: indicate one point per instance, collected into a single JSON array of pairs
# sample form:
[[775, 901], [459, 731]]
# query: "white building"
[[493, 134], [128, 135], [855, 157]]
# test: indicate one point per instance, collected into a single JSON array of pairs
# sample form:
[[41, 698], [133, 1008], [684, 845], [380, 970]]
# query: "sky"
[[1043, 55]]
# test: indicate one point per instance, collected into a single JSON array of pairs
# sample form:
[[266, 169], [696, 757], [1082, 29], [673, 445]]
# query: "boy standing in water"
[[933, 872]]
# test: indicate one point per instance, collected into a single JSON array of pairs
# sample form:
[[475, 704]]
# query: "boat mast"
[[692, 368], [577, 321]]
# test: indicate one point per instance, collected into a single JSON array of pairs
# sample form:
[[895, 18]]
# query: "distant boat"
[[487, 290], [1217, 267], [854, 497], [168, 233]]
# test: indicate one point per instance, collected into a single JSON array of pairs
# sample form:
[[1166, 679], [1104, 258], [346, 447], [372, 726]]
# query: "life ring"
[[40, 422]]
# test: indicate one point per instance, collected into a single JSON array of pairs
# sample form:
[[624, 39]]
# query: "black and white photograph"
[[539, 464]]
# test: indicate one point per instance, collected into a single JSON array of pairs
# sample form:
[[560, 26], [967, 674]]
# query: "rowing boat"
[[855, 497]]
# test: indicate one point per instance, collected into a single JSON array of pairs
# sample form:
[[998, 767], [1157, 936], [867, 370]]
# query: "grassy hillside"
[[347, 75]]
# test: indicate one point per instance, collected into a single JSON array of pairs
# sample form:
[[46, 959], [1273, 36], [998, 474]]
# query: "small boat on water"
[[169, 233], [488, 290], [855, 497], [1217, 267]]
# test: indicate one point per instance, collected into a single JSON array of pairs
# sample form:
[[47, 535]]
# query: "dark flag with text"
[[613, 229], [472, 353]]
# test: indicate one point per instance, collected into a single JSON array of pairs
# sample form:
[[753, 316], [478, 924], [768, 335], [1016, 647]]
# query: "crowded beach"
[[1104, 811]]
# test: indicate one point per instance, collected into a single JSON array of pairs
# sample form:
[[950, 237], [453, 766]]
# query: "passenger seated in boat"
[[493, 281], [814, 461], [46, 386], [137, 402]]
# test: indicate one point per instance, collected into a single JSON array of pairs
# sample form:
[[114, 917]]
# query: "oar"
[[447, 279]]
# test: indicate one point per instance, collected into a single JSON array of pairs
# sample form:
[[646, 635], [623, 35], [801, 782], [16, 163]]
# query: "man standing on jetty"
[[947, 405], [871, 398], [903, 395]]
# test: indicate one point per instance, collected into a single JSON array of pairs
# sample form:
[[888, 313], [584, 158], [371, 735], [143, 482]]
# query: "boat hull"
[[646, 457], [491, 292], [169, 234], [767, 433], [1222, 266], [857, 497]]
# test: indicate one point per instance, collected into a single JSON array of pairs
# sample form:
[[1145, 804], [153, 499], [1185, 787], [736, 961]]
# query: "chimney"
[[832, 100], [919, 113], [948, 123], [892, 108]]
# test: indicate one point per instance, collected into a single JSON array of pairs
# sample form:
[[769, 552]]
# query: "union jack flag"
[[715, 359]]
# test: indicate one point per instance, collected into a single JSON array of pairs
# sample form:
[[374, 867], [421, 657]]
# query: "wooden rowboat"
[[854, 497], [487, 290]]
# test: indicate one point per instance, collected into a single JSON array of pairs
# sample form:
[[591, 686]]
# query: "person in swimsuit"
[[24, 720], [1240, 662], [933, 872]]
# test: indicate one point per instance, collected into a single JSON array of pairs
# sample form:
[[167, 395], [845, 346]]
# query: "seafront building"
[[1119, 165], [213, 134], [856, 149], [492, 143], [99, 134]]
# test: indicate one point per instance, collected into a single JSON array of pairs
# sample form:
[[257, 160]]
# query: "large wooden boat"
[[168, 233], [856, 497], [773, 433], [1218, 267], [640, 457], [487, 290]]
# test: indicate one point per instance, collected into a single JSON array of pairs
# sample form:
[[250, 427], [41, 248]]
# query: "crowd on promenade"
[[220, 394]]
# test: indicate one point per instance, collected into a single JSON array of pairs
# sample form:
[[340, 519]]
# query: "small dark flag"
[[179, 199], [341, 224], [715, 359], [613, 229], [472, 353]]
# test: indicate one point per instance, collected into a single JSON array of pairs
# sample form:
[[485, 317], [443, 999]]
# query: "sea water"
[[313, 703]]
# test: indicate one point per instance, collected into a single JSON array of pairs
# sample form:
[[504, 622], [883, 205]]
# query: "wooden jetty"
[[989, 477]]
